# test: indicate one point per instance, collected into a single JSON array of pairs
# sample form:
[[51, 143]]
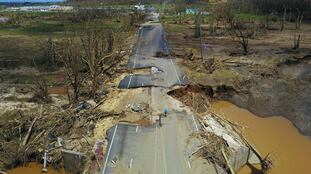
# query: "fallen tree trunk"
[[30, 128], [227, 161]]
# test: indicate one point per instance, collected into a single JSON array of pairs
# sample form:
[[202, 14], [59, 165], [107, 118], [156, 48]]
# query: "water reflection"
[[290, 150]]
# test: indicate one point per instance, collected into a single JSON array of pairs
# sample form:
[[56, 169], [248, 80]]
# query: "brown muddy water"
[[61, 90], [34, 168], [290, 150]]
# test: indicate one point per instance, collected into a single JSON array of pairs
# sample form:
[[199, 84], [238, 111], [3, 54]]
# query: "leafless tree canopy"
[[100, 50], [40, 89], [70, 55], [276, 6], [242, 33]]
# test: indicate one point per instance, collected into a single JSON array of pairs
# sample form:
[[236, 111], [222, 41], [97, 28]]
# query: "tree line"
[[274, 6]]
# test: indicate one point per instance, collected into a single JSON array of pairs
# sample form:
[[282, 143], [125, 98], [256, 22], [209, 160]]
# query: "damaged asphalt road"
[[151, 41], [151, 149], [154, 149]]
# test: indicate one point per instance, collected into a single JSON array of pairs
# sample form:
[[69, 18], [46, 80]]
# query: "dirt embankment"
[[271, 80], [194, 96]]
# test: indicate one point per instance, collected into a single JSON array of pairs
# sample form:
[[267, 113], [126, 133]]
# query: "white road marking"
[[136, 129], [131, 163], [163, 152], [130, 166], [107, 156], [189, 164], [135, 58], [171, 60], [155, 152], [128, 85], [195, 123], [175, 71]]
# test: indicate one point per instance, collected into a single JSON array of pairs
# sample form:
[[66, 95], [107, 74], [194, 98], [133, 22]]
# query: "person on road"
[[165, 112]]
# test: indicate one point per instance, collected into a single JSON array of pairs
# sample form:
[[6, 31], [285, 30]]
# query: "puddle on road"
[[290, 150], [34, 168]]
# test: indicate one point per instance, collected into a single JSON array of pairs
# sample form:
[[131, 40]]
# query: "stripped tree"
[[69, 54], [284, 18], [100, 49], [240, 31], [180, 9]]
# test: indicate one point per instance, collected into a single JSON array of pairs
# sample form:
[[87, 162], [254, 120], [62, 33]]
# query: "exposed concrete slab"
[[253, 158], [240, 153], [73, 161]]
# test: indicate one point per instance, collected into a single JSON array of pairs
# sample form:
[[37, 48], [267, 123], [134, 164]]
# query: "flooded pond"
[[290, 150], [34, 168]]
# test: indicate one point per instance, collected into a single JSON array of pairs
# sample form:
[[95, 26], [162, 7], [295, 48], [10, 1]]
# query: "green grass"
[[15, 99], [2, 7], [21, 79], [20, 48], [175, 27], [40, 27], [177, 17], [47, 27], [21, 43], [249, 16], [225, 74]]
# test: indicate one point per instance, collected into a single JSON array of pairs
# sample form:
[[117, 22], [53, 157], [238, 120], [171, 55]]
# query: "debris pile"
[[211, 150], [42, 135], [224, 146], [193, 96], [138, 107]]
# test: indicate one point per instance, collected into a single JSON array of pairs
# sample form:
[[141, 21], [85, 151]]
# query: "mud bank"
[[277, 136], [286, 94], [273, 79]]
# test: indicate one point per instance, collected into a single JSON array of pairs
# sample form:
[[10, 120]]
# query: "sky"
[[31, 0]]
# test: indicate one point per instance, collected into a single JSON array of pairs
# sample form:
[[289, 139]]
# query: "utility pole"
[[201, 39], [163, 7]]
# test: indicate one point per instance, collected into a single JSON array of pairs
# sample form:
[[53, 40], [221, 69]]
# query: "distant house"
[[195, 11], [60, 8], [192, 11], [41, 8], [3, 19], [139, 7]]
